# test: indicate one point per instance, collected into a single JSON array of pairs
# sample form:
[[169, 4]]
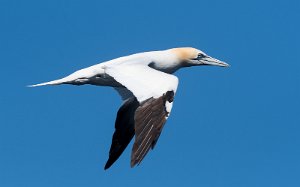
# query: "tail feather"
[[55, 82], [80, 75]]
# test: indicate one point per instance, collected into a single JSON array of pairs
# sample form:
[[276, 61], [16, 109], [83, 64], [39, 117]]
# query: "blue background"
[[234, 127]]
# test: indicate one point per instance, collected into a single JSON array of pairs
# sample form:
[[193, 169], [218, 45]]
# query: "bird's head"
[[194, 57]]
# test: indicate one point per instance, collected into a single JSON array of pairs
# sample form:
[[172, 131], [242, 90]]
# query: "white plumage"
[[147, 86]]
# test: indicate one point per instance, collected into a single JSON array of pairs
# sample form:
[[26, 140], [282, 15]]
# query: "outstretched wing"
[[149, 119], [144, 82], [154, 90], [124, 130]]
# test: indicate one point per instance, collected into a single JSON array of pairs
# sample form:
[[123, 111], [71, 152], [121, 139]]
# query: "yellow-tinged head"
[[184, 53], [192, 56]]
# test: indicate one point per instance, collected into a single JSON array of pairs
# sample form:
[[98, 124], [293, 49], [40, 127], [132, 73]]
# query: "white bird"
[[147, 87]]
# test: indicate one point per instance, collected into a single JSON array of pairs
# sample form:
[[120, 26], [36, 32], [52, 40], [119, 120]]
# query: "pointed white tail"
[[83, 74], [55, 82]]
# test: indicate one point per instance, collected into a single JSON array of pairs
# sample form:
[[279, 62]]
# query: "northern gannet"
[[147, 88]]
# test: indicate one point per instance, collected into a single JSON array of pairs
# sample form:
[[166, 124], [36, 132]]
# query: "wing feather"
[[154, 91], [124, 130], [150, 118], [144, 82]]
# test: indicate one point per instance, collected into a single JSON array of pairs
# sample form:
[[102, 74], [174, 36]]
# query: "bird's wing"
[[124, 130], [154, 90], [150, 118], [144, 82], [124, 125]]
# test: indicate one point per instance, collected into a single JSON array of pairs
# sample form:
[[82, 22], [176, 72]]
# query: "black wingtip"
[[108, 164], [132, 164]]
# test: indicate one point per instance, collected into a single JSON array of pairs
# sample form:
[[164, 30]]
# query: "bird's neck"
[[164, 61]]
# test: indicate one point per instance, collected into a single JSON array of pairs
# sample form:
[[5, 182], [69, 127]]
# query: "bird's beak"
[[213, 61]]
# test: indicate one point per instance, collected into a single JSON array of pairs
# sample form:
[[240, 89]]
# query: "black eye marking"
[[200, 56]]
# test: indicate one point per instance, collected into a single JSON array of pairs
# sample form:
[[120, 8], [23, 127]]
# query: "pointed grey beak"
[[213, 61]]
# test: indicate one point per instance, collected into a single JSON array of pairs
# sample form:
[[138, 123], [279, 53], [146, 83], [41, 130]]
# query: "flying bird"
[[147, 88]]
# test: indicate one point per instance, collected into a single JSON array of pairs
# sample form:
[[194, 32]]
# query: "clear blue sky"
[[236, 127]]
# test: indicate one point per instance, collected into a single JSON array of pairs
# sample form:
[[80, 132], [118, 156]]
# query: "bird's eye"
[[200, 55]]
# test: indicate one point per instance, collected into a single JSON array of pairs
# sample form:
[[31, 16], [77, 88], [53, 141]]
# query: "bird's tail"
[[55, 82], [77, 78]]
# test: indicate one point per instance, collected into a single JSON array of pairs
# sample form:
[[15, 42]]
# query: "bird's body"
[[147, 87]]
